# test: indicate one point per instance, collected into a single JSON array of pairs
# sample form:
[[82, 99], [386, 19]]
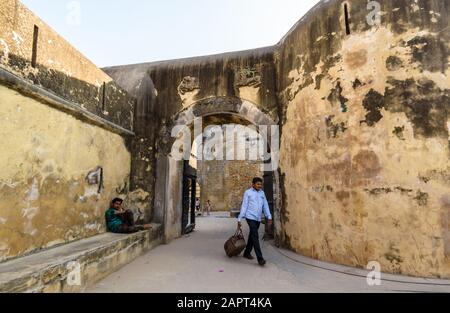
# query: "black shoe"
[[248, 256], [262, 262]]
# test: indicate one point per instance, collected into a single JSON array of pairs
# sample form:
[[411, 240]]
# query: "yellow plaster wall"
[[45, 158]]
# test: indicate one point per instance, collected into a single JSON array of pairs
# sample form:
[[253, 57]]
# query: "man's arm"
[[243, 208]]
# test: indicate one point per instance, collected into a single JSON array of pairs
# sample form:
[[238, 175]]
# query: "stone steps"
[[75, 266]]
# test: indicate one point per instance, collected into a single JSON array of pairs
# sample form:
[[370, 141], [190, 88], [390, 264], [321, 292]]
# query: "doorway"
[[180, 181], [189, 198]]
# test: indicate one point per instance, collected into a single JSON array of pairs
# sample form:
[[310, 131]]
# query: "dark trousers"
[[253, 239], [128, 226]]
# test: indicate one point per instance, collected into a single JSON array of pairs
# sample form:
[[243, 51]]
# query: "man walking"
[[253, 205]]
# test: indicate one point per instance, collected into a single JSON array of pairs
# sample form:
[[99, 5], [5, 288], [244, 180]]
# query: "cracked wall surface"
[[47, 196], [365, 125], [364, 122], [225, 181], [167, 89], [60, 68], [62, 125]]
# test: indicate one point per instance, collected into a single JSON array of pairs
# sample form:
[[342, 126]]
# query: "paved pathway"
[[197, 264]]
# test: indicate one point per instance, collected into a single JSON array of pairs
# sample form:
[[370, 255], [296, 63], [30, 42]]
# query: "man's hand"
[[270, 222], [239, 226]]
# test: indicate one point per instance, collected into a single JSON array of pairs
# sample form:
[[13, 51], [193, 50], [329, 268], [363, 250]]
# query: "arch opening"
[[222, 181]]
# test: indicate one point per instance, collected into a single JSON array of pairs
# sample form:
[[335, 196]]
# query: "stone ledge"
[[98, 256]]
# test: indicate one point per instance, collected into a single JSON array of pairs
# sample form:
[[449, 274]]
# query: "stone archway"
[[169, 176]]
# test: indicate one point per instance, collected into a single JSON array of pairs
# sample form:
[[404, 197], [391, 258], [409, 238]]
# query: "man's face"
[[117, 205], [258, 186]]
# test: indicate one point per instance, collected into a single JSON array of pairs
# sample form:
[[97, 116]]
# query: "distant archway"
[[169, 178]]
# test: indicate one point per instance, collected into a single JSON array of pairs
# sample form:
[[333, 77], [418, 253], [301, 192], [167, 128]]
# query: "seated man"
[[121, 221]]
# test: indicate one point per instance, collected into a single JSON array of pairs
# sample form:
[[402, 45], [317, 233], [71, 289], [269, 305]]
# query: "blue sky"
[[115, 32]]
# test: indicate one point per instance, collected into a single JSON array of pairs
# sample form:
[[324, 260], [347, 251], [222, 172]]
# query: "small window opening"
[[104, 97], [35, 46], [347, 19]]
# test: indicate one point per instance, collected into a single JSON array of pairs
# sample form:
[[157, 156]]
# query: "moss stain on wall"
[[378, 109]]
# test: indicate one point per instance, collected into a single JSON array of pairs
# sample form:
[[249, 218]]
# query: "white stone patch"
[[441, 80], [448, 126], [415, 6], [8, 183], [67, 72], [138, 86], [17, 38], [30, 213], [54, 243], [90, 192], [33, 194], [434, 16], [29, 230], [93, 226], [3, 220]]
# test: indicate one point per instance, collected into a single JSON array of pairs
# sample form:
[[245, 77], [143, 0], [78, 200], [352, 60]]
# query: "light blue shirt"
[[255, 202]]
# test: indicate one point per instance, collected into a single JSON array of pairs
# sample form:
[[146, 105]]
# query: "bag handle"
[[239, 233]]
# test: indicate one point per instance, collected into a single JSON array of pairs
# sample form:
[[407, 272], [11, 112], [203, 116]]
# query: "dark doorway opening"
[[189, 197]]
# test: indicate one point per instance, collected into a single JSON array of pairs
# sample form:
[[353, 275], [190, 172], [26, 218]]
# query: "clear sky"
[[115, 32]]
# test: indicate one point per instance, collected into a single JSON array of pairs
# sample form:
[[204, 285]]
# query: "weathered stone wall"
[[165, 89], [365, 128], [224, 181], [365, 144], [211, 177], [60, 68], [238, 178], [64, 156], [47, 196]]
